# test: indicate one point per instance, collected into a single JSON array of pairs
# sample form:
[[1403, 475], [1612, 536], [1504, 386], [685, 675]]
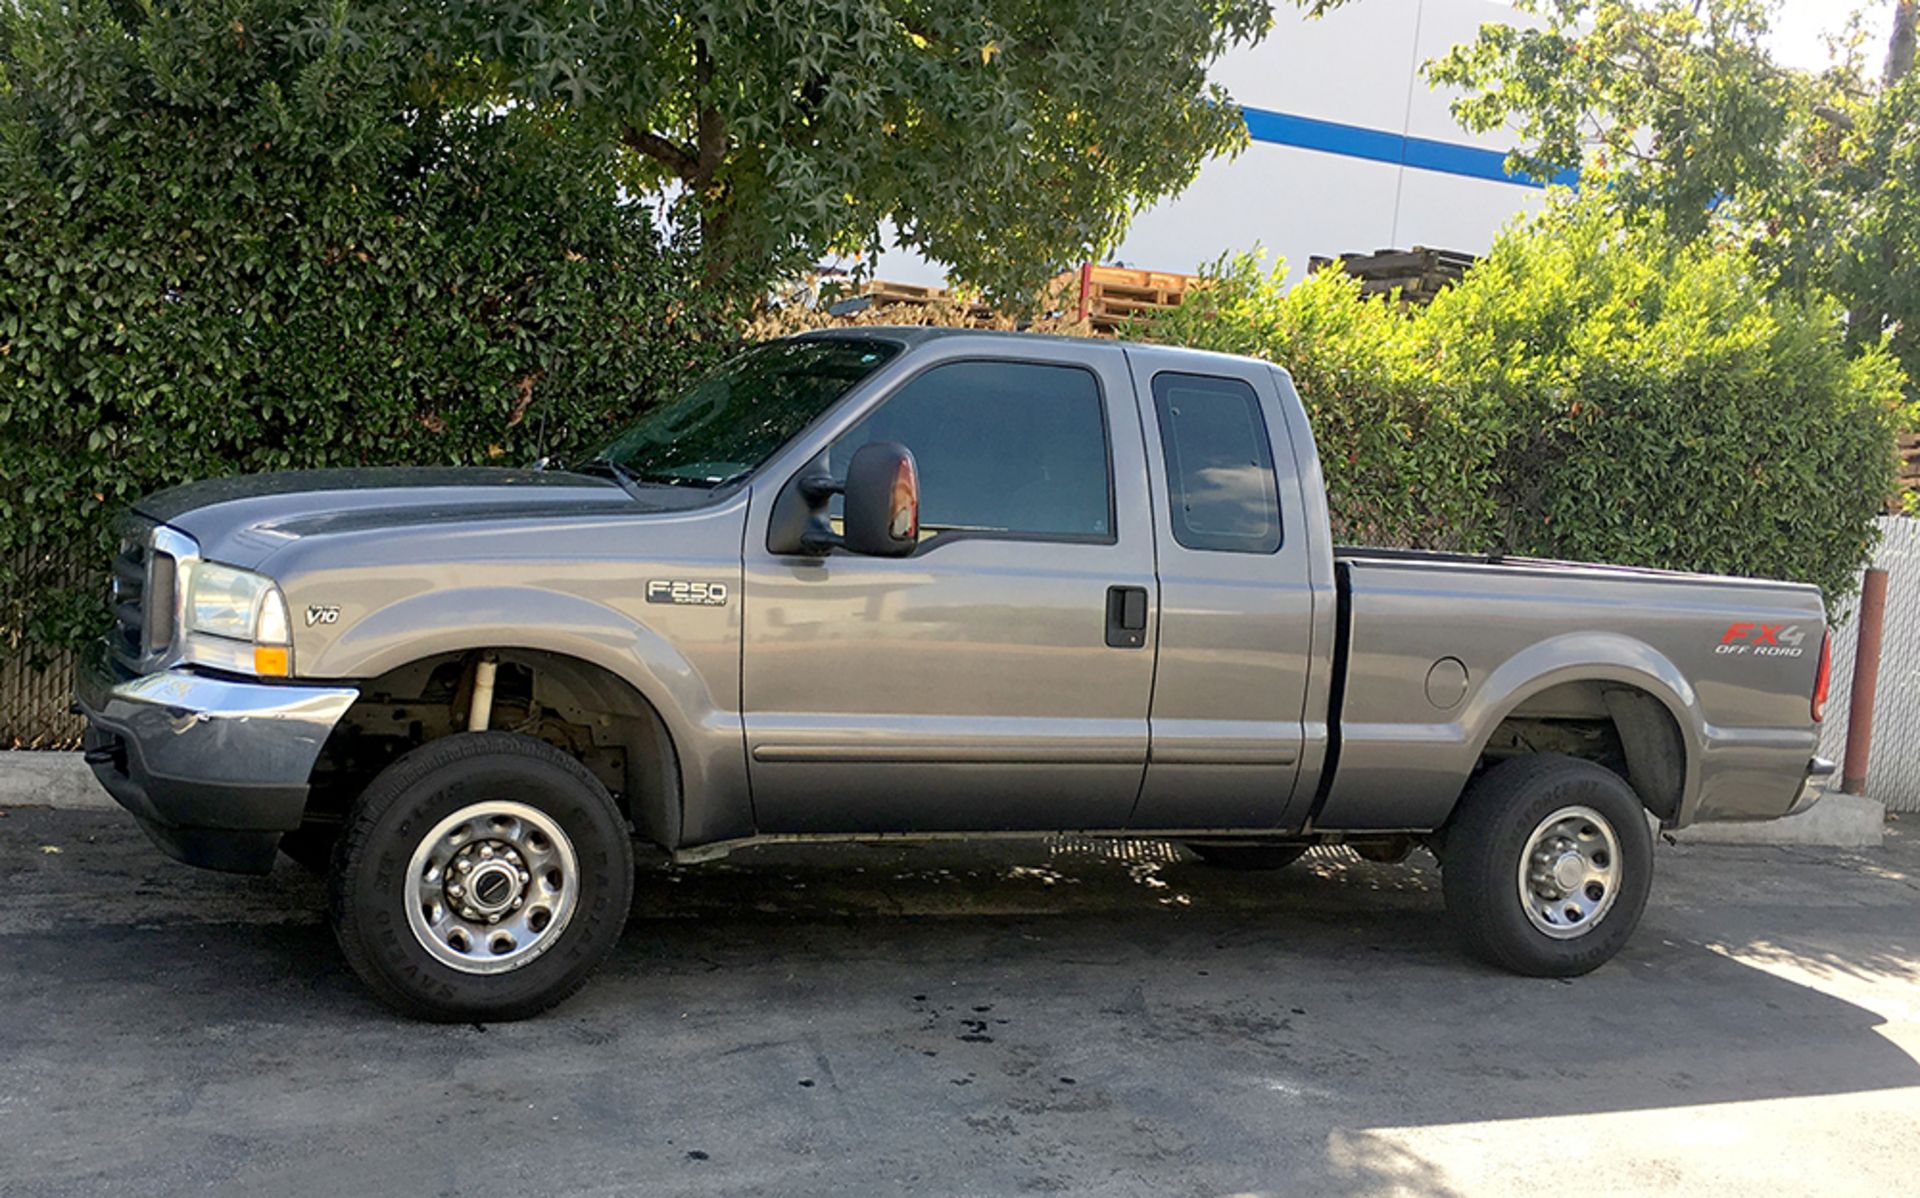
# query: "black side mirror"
[[883, 500], [882, 506]]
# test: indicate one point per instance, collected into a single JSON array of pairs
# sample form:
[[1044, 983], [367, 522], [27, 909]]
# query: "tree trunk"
[[1900, 46]]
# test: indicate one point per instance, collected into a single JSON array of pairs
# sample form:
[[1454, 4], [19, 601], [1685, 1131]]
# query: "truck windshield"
[[725, 425]]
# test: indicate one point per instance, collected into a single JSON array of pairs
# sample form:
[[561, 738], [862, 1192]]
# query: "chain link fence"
[[33, 702], [1893, 774]]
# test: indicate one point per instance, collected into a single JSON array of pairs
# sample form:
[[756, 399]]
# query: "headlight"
[[237, 606]]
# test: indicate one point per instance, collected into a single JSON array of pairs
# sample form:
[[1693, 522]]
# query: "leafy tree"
[[1005, 138], [1676, 108]]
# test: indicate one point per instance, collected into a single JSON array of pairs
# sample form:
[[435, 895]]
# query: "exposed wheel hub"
[[487, 880]]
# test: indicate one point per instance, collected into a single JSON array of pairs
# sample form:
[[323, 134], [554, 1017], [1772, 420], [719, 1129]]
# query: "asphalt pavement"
[[1074, 1017]]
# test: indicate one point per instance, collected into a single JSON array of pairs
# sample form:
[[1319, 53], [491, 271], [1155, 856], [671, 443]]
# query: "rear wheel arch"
[[1631, 725]]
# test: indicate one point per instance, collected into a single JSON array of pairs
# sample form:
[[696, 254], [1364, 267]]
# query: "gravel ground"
[[1069, 1017]]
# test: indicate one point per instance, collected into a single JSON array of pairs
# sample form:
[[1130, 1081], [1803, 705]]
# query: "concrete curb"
[[29, 778], [1836, 821]]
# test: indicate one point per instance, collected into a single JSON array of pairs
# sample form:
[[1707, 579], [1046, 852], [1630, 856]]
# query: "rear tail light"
[[1823, 678]]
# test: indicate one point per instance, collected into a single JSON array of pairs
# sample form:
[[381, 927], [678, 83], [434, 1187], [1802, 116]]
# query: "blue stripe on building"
[[1376, 145]]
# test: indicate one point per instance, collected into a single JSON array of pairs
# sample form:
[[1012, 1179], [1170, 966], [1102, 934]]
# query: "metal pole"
[[1866, 679]]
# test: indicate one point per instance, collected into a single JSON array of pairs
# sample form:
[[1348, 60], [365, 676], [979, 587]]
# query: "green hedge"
[[290, 254], [286, 255], [1587, 392]]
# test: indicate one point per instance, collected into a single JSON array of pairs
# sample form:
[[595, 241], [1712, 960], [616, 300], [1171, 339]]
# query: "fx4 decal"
[[687, 594], [1763, 640]]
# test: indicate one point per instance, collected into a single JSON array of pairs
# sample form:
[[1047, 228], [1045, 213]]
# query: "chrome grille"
[[128, 639], [144, 580]]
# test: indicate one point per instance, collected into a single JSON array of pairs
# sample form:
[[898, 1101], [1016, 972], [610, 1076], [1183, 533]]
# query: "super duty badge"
[[687, 594]]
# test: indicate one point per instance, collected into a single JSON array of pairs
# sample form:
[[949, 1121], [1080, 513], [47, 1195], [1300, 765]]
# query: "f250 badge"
[[687, 594], [1762, 640]]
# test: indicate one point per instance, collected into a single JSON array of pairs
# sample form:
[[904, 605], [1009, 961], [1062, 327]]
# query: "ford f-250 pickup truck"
[[905, 582]]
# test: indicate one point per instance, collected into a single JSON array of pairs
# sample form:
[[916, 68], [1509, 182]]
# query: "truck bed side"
[[1698, 686]]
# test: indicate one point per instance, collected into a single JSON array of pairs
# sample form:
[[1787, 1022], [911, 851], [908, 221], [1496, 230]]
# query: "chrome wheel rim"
[[491, 887], [1570, 872]]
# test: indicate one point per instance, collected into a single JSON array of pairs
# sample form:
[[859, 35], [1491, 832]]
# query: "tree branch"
[[1900, 45], [677, 157]]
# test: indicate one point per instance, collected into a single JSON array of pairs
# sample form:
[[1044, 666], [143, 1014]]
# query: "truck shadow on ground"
[[986, 1019], [1222, 1016]]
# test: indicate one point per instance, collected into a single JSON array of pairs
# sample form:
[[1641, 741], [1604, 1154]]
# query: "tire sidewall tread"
[[422, 788], [1488, 833]]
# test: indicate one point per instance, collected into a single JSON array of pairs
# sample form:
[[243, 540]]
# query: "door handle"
[[1126, 617]]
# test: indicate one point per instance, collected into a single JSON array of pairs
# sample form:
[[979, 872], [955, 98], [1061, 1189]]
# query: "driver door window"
[[1009, 448]]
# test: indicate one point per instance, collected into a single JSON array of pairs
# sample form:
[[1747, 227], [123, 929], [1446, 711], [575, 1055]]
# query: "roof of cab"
[[911, 335]]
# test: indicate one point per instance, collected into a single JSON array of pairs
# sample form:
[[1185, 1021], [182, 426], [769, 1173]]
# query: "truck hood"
[[241, 520]]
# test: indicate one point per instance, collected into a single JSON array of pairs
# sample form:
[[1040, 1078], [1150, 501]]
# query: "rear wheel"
[[1250, 856], [481, 877], [1549, 862]]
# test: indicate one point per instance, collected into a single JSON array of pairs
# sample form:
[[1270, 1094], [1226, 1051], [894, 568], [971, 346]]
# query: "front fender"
[[694, 703], [461, 618]]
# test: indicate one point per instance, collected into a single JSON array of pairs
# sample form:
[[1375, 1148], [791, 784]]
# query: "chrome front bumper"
[[214, 768]]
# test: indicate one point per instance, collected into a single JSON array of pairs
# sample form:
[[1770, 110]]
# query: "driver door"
[[974, 685]]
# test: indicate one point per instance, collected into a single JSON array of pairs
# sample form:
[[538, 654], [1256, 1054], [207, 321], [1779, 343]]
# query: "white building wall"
[[1353, 76]]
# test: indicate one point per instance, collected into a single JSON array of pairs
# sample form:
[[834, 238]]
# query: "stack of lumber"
[[1909, 446], [1097, 298], [1107, 297], [879, 293], [1417, 274]]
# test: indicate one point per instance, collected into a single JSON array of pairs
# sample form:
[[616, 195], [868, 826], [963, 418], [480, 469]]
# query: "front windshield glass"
[[735, 418]]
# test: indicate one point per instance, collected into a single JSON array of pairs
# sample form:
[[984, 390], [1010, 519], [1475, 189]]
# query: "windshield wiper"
[[625, 476], [631, 479]]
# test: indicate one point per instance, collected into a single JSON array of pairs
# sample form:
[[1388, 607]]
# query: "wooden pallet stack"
[[1103, 298], [1909, 480], [880, 293], [1107, 297], [1417, 274]]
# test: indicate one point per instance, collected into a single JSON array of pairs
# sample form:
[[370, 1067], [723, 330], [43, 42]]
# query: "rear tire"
[[1247, 856], [482, 876], [1548, 865]]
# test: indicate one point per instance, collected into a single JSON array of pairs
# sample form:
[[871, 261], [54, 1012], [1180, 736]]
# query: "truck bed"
[[1440, 650]]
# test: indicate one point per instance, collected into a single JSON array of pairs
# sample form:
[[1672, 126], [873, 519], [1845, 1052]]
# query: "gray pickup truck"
[[899, 583]]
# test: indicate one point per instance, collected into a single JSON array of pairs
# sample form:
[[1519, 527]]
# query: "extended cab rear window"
[[1220, 478]]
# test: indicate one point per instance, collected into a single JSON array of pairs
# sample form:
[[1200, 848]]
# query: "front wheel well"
[[582, 709], [1624, 728]]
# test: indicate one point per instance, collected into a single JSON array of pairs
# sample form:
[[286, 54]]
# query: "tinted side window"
[[1219, 464], [1002, 447]]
